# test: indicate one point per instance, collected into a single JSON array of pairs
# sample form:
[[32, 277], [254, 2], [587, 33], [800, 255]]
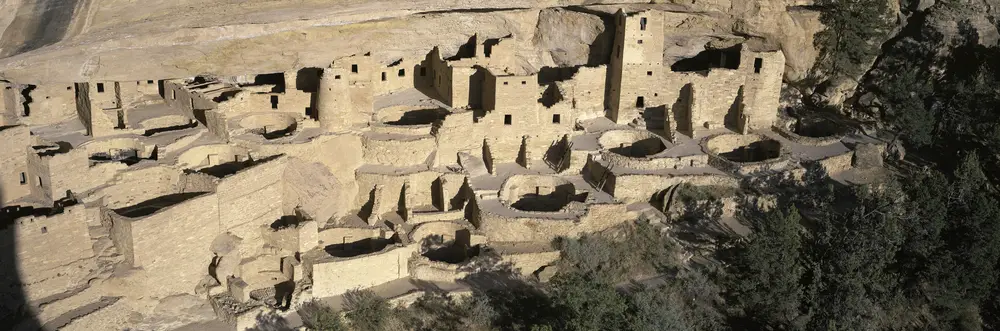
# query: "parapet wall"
[[335, 277]]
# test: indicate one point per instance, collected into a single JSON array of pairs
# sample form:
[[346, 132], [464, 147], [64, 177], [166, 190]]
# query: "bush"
[[366, 310], [638, 249], [316, 315]]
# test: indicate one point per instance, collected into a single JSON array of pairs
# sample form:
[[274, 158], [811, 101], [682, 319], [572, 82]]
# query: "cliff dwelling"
[[252, 191]]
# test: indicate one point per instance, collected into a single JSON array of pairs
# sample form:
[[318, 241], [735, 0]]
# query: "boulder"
[[225, 243]]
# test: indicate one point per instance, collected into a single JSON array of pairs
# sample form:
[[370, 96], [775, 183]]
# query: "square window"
[[69, 88], [507, 119], [640, 102], [402, 73], [649, 73], [45, 229], [524, 82], [274, 102], [336, 77], [505, 83], [640, 41], [354, 68], [149, 82], [100, 87], [555, 119]]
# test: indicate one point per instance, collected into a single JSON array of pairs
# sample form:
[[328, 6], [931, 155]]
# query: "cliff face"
[[928, 34], [89, 40]]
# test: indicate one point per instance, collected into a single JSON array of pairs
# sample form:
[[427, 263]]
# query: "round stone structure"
[[269, 125], [813, 131], [745, 154], [538, 193], [632, 143]]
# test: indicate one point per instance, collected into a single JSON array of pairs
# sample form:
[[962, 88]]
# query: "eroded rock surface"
[[88, 40]]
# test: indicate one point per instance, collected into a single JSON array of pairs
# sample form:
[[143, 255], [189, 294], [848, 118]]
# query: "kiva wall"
[[336, 277]]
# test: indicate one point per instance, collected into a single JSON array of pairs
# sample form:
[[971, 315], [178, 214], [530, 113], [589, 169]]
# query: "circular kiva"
[[537, 193], [744, 148], [269, 125], [817, 128], [632, 143]]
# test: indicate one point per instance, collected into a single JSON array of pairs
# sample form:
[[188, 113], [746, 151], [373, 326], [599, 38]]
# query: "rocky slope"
[[80, 40]]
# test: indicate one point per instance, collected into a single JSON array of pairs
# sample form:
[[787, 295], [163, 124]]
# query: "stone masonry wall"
[[336, 277], [14, 174], [172, 245], [44, 246], [249, 199]]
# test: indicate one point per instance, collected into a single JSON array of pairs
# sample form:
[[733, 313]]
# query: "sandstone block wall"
[[178, 96], [639, 80], [259, 98], [644, 37], [45, 246], [12, 107], [50, 104], [104, 95], [120, 231], [15, 181], [139, 92], [297, 238], [763, 86], [395, 76], [132, 187], [173, 245], [39, 171], [336, 277], [251, 198], [420, 194]]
